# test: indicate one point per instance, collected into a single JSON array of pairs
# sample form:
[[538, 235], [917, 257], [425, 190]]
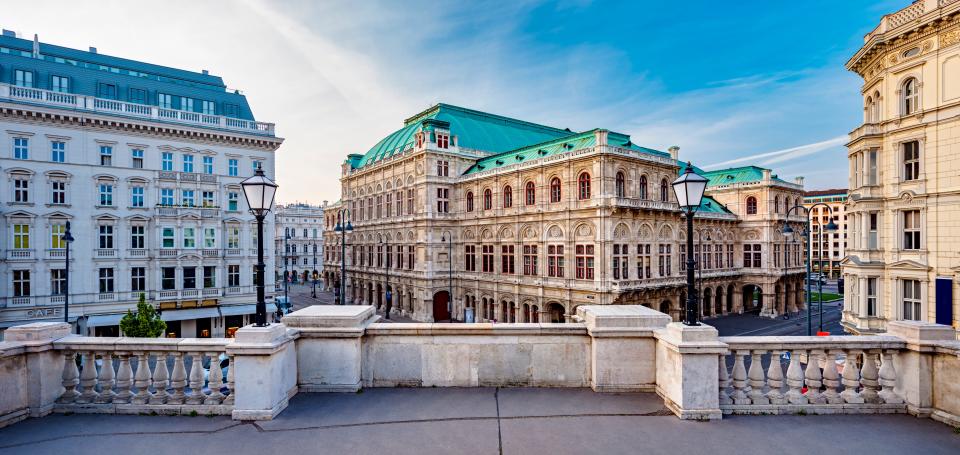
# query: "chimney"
[[205, 72], [9, 33], [674, 152], [324, 203], [93, 50], [798, 180], [766, 175]]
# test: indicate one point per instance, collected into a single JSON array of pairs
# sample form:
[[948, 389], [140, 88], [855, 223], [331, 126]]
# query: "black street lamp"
[[286, 274], [259, 192], [387, 295], [343, 227], [689, 188], [314, 272], [67, 239], [788, 231]]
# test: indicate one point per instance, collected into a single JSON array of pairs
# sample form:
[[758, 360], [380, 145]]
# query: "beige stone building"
[[902, 258], [523, 222], [827, 248]]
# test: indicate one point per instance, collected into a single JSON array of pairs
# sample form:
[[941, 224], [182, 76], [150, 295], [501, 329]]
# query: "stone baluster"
[[106, 379], [831, 380], [888, 379], [215, 380], [161, 380], [795, 379], [141, 379], [178, 380], [851, 378], [88, 379], [813, 378], [724, 382], [69, 378], [775, 379], [124, 379], [868, 378], [739, 379], [230, 398], [196, 379], [757, 379]]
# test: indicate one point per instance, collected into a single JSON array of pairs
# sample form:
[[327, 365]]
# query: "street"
[[753, 325], [301, 296]]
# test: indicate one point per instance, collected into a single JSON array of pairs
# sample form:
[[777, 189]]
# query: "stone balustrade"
[[816, 375]]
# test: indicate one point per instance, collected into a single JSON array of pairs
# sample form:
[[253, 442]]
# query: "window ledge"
[[105, 206], [20, 204], [58, 205]]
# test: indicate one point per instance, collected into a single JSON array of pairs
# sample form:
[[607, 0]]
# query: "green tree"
[[145, 323]]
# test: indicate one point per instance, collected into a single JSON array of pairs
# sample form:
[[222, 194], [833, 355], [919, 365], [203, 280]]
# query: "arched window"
[[469, 201], [643, 187], [751, 205], [507, 197], [796, 202], [911, 96], [620, 184], [487, 199], [583, 186], [876, 107], [776, 204], [664, 194], [555, 189], [869, 110], [531, 193]]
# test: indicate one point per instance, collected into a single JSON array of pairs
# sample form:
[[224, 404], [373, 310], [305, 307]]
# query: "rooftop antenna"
[[36, 46]]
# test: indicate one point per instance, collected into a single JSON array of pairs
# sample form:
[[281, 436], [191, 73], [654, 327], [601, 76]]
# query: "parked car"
[[283, 303], [814, 278]]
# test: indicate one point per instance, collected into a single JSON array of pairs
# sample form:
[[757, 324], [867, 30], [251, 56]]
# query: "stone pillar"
[[623, 347], [329, 347], [769, 309], [914, 365], [42, 366], [687, 368], [265, 378]]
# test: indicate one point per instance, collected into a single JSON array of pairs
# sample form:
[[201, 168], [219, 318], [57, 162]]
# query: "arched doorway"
[[718, 301], [665, 307], [752, 298], [378, 296], [730, 298], [440, 310], [556, 312], [707, 298], [526, 312], [534, 313]]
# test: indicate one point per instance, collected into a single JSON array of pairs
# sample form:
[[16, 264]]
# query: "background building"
[[827, 248], [524, 222], [903, 257], [299, 236], [145, 162]]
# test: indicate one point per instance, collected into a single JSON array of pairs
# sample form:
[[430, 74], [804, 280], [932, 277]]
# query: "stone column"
[[329, 346], [687, 369], [914, 365], [43, 365], [623, 347], [265, 379]]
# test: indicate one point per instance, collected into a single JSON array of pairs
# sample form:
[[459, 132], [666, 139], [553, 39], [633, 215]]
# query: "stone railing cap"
[[330, 316], [622, 316], [37, 331], [919, 331]]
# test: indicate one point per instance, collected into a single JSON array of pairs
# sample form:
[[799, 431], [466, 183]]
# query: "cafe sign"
[[44, 313]]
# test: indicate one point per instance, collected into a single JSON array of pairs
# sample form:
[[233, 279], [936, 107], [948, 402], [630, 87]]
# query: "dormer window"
[[443, 140], [420, 140], [911, 52]]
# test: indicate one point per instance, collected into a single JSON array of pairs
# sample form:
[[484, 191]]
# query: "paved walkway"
[[478, 421]]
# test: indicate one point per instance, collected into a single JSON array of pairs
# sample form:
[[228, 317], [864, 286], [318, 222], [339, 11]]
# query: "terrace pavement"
[[478, 421]]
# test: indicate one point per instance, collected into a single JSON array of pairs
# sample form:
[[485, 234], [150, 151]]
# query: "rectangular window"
[[911, 300], [166, 196], [584, 257], [56, 236], [108, 91], [233, 275], [410, 201], [873, 230], [189, 278], [470, 257], [58, 192], [233, 167], [23, 78], [168, 278], [621, 268], [58, 151], [106, 195], [58, 281], [644, 261], [443, 200], [189, 237], [60, 84], [664, 267], [137, 95], [187, 163], [168, 238], [21, 283], [209, 238], [166, 161], [231, 110], [751, 255], [136, 158], [257, 164], [776, 255], [187, 197], [209, 276], [507, 259], [106, 155], [443, 168], [443, 140], [208, 165], [911, 230], [165, 101], [138, 237], [233, 203], [21, 190], [911, 160], [411, 257], [555, 261], [730, 256], [872, 167], [138, 279], [136, 196], [486, 252], [233, 237], [105, 237], [186, 104], [208, 107], [389, 204], [209, 198], [106, 280], [871, 297], [530, 260], [21, 148]]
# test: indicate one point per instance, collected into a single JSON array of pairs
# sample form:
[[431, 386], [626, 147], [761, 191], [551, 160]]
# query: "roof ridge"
[[540, 144], [465, 110]]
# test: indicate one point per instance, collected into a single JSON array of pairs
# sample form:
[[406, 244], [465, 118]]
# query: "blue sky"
[[731, 83]]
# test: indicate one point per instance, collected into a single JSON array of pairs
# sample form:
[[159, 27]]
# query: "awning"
[[192, 313], [233, 310], [104, 320]]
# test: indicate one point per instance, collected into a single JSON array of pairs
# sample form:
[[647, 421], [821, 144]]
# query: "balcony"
[[233, 251], [647, 204], [20, 254], [57, 253], [210, 253], [138, 253], [168, 253], [105, 253], [111, 107]]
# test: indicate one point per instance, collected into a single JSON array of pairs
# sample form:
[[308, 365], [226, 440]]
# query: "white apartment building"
[[827, 248], [299, 241], [144, 162]]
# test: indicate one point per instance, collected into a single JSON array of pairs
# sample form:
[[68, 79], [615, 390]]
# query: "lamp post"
[[259, 191], [787, 231], [449, 242], [699, 263], [689, 188], [67, 239], [286, 275], [343, 226], [314, 273], [387, 295]]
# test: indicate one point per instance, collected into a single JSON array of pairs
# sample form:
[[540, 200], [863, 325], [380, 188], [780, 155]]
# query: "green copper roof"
[[710, 205], [473, 129], [736, 175], [533, 152]]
